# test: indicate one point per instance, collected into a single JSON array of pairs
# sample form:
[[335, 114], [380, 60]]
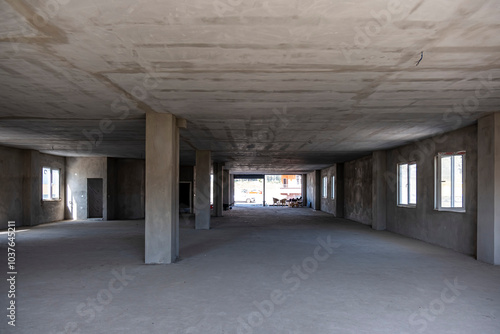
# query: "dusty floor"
[[259, 270]]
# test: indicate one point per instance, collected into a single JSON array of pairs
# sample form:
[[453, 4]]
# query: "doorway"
[[185, 196], [94, 198]]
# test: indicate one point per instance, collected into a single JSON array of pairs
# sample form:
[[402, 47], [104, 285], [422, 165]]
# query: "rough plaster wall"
[[328, 204], [11, 189], [130, 189], [48, 211], [78, 170], [311, 193], [447, 229], [358, 190], [21, 188]]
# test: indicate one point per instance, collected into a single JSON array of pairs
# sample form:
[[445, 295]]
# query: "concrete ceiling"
[[266, 85]]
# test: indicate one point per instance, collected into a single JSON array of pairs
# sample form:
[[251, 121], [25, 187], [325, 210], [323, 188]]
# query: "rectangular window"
[[325, 187], [333, 187], [450, 182], [407, 184], [50, 184]]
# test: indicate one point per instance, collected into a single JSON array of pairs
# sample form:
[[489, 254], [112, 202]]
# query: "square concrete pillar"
[[202, 190], [379, 190], [339, 194], [218, 188], [162, 188], [264, 191], [304, 189], [231, 189], [317, 190], [488, 190], [225, 188]]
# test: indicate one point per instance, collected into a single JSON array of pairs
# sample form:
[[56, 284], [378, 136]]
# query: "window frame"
[[438, 180], [408, 187], [325, 187], [51, 184]]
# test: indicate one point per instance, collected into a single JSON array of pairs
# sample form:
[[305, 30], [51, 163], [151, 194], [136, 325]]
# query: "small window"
[[333, 187], [325, 187], [407, 184], [450, 182], [50, 184]]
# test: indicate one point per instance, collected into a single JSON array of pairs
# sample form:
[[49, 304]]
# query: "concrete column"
[[162, 188], [264, 191], [202, 190], [488, 201], [317, 190], [111, 188], [231, 189], [225, 188], [304, 189], [340, 194], [379, 190], [218, 189]]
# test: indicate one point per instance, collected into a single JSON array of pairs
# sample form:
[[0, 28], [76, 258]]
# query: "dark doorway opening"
[[94, 198], [185, 197]]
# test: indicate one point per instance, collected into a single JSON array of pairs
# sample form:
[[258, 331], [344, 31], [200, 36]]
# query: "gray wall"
[[358, 190], [11, 190], [47, 211], [129, 194], [21, 190], [78, 170], [448, 229], [328, 204]]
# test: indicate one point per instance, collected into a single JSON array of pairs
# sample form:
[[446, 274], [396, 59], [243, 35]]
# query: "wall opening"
[[94, 198]]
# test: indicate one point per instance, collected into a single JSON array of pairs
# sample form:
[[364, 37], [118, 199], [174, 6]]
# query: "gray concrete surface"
[[328, 204], [89, 276], [202, 190], [218, 187], [162, 189], [78, 171], [269, 85], [379, 190], [488, 189], [358, 180], [21, 188], [455, 230]]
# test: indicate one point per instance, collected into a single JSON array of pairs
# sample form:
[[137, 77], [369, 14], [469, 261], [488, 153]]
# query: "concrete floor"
[[89, 277]]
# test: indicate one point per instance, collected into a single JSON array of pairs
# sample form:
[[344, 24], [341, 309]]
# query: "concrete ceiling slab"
[[267, 86]]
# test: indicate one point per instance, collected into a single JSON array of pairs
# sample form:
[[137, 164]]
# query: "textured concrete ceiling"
[[266, 85]]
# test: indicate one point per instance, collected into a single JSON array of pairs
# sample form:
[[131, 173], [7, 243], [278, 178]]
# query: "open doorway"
[[185, 196], [94, 198], [283, 189], [249, 190]]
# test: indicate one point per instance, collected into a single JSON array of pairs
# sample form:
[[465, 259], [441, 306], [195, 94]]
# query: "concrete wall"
[[21, 190], [358, 190], [328, 204], [129, 188], [448, 229], [47, 211], [78, 170], [11, 191]]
